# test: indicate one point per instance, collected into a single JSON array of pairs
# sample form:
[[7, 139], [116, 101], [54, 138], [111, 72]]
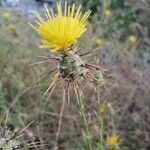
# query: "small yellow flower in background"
[[102, 108], [113, 140], [108, 13], [132, 39], [60, 31], [11, 27], [99, 41], [6, 14], [109, 104]]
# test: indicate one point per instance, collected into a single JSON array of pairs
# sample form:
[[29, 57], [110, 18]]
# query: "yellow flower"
[[102, 108], [60, 31], [6, 14], [109, 104], [11, 27], [107, 13], [113, 140], [132, 39], [100, 41]]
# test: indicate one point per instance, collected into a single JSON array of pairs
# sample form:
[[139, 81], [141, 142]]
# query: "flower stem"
[[82, 113], [100, 121]]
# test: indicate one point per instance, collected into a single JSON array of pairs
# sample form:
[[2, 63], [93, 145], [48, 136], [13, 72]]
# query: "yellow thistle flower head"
[[11, 27], [113, 140], [6, 14], [132, 39], [60, 31]]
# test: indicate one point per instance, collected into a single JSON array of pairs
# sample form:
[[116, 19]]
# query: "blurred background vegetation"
[[121, 28]]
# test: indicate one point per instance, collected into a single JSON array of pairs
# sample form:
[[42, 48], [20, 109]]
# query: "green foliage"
[[90, 4], [115, 4], [123, 20], [2, 98], [123, 14]]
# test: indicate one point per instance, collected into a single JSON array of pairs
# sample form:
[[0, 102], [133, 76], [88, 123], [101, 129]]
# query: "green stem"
[[83, 116], [101, 123]]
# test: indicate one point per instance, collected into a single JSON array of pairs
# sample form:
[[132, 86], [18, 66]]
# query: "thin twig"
[[61, 116]]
